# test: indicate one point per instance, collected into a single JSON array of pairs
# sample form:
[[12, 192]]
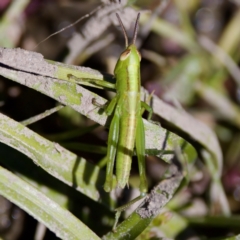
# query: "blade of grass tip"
[[41, 116]]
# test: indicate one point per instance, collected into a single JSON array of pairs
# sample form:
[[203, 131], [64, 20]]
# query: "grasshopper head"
[[131, 51]]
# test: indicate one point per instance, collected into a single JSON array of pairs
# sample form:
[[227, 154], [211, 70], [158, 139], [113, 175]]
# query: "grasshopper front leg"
[[145, 106], [100, 83]]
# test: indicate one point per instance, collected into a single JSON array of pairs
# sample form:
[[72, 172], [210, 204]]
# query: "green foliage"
[[43, 169]]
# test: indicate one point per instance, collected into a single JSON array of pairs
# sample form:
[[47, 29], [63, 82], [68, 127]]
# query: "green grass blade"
[[57, 219], [54, 159]]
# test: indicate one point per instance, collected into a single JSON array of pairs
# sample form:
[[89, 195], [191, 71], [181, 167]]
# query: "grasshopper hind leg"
[[112, 143], [111, 152], [140, 149]]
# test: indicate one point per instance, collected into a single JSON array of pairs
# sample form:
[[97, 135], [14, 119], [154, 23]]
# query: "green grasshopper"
[[126, 128]]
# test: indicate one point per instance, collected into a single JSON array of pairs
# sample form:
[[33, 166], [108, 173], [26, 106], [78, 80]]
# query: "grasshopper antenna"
[[123, 29], [136, 29]]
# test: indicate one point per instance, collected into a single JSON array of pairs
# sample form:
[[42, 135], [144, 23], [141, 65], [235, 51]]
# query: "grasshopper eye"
[[125, 54], [139, 55]]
